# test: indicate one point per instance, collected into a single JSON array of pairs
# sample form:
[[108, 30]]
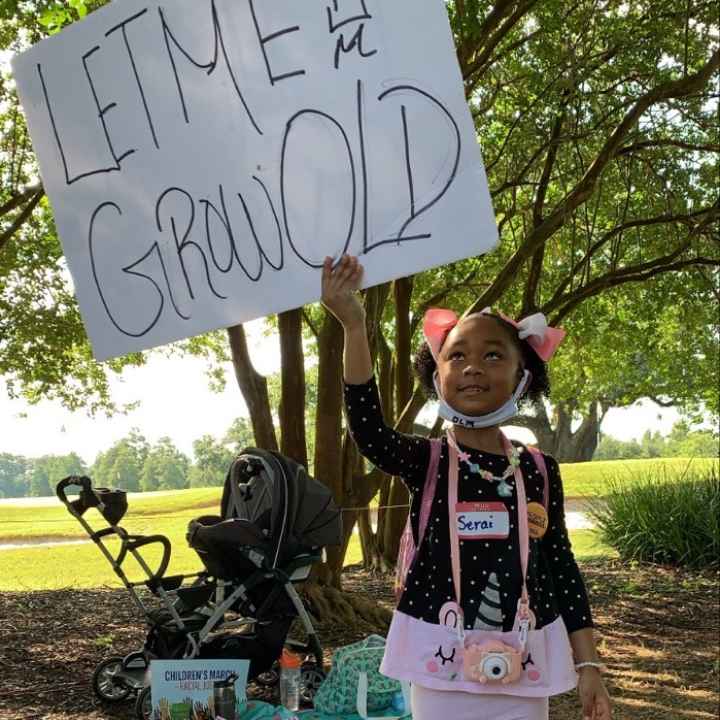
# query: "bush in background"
[[664, 518]]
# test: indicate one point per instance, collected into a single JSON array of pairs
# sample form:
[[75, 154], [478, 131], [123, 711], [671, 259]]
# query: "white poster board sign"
[[203, 156]]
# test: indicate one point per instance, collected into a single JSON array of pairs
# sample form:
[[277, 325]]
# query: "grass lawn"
[[82, 565], [172, 510], [591, 479], [146, 511]]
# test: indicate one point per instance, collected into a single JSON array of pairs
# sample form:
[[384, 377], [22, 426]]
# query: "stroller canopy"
[[276, 494]]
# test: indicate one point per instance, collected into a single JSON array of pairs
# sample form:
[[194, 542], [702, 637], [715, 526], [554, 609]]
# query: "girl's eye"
[[457, 355], [492, 353]]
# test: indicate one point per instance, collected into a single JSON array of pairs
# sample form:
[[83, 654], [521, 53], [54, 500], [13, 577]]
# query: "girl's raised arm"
[[339, 296]]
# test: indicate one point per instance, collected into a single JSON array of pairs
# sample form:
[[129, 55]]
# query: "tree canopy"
[[598, 126]]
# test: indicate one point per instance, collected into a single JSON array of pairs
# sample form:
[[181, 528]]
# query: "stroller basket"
[[111, 503]]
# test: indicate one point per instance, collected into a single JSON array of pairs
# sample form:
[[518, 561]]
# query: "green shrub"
[[664, 518]]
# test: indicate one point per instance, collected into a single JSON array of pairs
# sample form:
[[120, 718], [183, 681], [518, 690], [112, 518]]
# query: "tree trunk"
[[398, 496], [292, 402], [254, 390], [329, 465], [368, 541], [580, 445], [540, 425], [561, 442], [403, 288], [385, 383], [396, 518]]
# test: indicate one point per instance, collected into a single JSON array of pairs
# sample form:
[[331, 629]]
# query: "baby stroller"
[[274, 522]]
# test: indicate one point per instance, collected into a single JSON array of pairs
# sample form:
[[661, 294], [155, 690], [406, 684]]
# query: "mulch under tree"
[[658, 632]]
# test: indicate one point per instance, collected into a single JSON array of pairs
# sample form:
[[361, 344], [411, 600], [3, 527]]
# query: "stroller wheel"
[[106, 684], [311, 678], [143, 705]]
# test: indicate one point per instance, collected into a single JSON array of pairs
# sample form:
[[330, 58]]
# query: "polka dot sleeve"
[[569, 585], [395, 453]]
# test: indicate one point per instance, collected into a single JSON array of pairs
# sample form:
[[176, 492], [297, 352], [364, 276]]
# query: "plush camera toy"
[[492, 662]]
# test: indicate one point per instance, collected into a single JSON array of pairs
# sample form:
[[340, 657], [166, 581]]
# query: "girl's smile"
[[471, 389]]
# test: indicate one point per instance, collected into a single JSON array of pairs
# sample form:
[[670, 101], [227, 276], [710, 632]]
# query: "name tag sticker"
[[482, 521]]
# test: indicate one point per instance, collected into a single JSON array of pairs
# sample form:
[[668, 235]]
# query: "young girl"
[[494, 616]]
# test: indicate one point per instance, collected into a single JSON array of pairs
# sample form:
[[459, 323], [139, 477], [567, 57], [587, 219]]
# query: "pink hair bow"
[[542, 338], [437, 323]]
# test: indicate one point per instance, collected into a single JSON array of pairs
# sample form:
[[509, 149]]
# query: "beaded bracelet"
[[588, 663]]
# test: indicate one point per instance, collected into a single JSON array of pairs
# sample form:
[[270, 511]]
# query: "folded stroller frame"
[[275, 521]]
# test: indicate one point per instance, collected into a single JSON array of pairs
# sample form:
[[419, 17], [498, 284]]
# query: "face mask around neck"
[[504, 412]]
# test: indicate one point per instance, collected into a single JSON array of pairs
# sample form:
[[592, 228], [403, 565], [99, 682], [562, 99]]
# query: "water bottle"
[[224, 697], [290, 681]]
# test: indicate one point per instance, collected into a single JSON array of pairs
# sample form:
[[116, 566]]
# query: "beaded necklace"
[[504, 488]]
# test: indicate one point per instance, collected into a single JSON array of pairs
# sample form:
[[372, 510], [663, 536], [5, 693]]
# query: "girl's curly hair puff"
[[424, 366]]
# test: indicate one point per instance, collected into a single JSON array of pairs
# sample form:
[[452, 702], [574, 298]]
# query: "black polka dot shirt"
[[490, 569]]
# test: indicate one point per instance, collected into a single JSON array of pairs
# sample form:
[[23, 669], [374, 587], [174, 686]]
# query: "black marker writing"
[[414, 211], [122, 26], [169, 216], [363, 158], [98, 285], [261, 251], [103, 110], [56, 134], [223, 216], [182, 245], [361, 14], [284, 186], [218, 46], [356, 41], [201, 246], [265, 39]]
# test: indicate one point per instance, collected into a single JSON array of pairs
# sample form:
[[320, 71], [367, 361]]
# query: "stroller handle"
[[134, 542], [73, 480]]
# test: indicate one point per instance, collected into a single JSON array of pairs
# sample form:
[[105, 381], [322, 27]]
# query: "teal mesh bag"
[[338, 695]]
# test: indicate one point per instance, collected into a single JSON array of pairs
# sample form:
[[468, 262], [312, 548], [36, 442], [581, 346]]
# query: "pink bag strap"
[[537, 456], [429, 488]]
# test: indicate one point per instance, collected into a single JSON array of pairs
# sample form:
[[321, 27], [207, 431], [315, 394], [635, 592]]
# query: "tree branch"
[[636, 273], [254, 389], [19, 199], [402, 292], [310, 324], [666, 142], [27, 211], [584, 188], [412, 409], [533, 281], [617, 230], [488, 48]]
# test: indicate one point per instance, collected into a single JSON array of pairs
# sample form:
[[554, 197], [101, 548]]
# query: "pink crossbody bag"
[[408, 550]]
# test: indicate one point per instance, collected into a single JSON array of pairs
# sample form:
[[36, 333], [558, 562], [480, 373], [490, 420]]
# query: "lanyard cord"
[[524, 537]]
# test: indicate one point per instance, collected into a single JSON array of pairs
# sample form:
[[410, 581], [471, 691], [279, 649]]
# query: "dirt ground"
[[658, 630]]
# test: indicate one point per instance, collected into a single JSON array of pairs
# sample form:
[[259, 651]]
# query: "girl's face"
[[479, 366]]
